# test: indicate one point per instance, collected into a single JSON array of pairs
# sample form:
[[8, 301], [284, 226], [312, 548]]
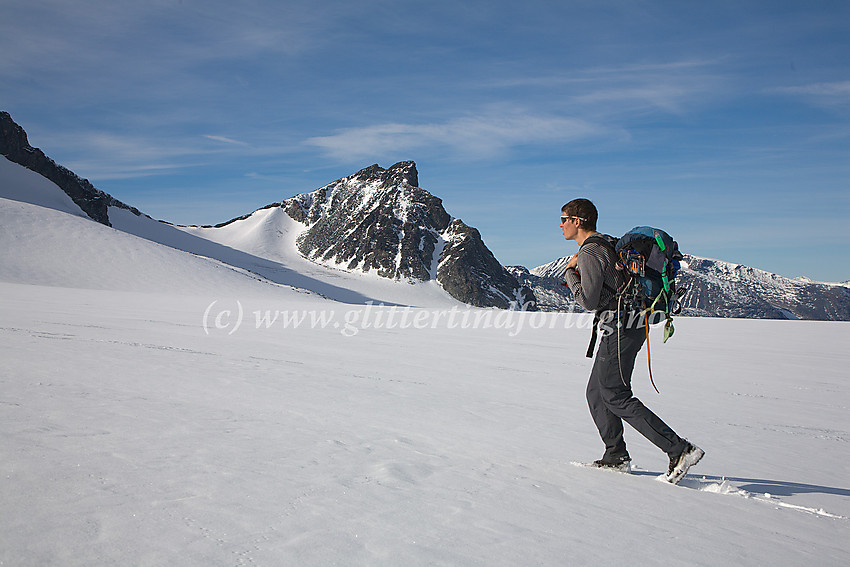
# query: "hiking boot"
[[620, 464], [680, 464]]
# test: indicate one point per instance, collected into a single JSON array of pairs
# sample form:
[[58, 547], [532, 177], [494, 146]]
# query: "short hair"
[[583, 209]]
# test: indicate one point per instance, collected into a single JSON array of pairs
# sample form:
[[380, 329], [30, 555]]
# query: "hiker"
[[593, 277]]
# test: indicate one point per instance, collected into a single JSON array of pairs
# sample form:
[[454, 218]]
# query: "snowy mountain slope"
[[718, 289], [129, 435], [759, 293], [257, 245], [21, 184], [43, 246], [271, 234], [323, 282]]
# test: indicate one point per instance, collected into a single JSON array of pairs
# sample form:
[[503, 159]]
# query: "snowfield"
[[131, 436], [161, 408]]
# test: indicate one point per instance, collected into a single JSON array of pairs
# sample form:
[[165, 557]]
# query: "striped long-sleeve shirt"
[[596, 281]]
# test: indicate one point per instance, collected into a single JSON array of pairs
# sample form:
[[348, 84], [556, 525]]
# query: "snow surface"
[[270, 234], [161, 408], [21, 184]]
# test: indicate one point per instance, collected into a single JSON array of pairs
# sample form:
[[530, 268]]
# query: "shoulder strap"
[[609, 242], [604, 239]]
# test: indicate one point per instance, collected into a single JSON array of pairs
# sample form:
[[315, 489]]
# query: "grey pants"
[[611, 401]]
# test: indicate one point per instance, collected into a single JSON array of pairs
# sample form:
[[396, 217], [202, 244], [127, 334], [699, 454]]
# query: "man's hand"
[[573, 262]]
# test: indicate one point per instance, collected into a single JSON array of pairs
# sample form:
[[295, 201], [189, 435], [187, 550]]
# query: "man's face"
[[569, 226]]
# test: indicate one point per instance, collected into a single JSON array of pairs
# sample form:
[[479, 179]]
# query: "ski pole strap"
[[593, 335]]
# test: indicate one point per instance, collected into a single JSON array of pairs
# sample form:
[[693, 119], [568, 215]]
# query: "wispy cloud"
[[669, 97], [832, 92], [225, 140], [102, 155], [671, 86], [622, 73], [480, 136], [153, 51]]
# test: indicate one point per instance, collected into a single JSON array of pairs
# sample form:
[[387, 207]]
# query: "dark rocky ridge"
[[15, 146], [468, 269]]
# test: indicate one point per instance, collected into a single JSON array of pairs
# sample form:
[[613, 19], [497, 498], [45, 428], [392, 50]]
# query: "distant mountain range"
[[379, 221], [715, 288]]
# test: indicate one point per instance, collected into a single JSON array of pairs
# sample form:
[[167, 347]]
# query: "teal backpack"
[[650, 259]]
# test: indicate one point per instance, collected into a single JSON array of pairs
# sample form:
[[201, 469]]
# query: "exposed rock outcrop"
[[15, 147]]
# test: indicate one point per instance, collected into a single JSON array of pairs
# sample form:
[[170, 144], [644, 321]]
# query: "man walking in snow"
[[594, 279]]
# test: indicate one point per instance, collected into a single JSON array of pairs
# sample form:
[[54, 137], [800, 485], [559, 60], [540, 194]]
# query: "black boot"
[[621, 464]]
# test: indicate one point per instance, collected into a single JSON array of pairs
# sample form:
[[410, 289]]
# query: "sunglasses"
[[564, 218]]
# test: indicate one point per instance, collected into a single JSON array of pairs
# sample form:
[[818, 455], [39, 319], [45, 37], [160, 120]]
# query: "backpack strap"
[[603, 239], [609, 242]]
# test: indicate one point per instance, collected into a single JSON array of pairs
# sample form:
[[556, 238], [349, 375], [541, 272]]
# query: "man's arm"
[[586, 281]]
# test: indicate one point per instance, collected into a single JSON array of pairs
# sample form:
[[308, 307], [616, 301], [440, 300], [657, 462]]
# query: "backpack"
[[649, 259]]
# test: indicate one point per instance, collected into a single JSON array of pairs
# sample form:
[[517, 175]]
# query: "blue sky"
[[725, 123]]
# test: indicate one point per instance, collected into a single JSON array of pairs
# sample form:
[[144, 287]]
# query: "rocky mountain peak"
[[402, 173], [379, 220]]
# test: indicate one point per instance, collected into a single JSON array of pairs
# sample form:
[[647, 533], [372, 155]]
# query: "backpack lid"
[[661, 238]]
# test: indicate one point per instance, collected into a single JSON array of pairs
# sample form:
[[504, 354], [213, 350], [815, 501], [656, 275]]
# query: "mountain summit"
[[379, 220]]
